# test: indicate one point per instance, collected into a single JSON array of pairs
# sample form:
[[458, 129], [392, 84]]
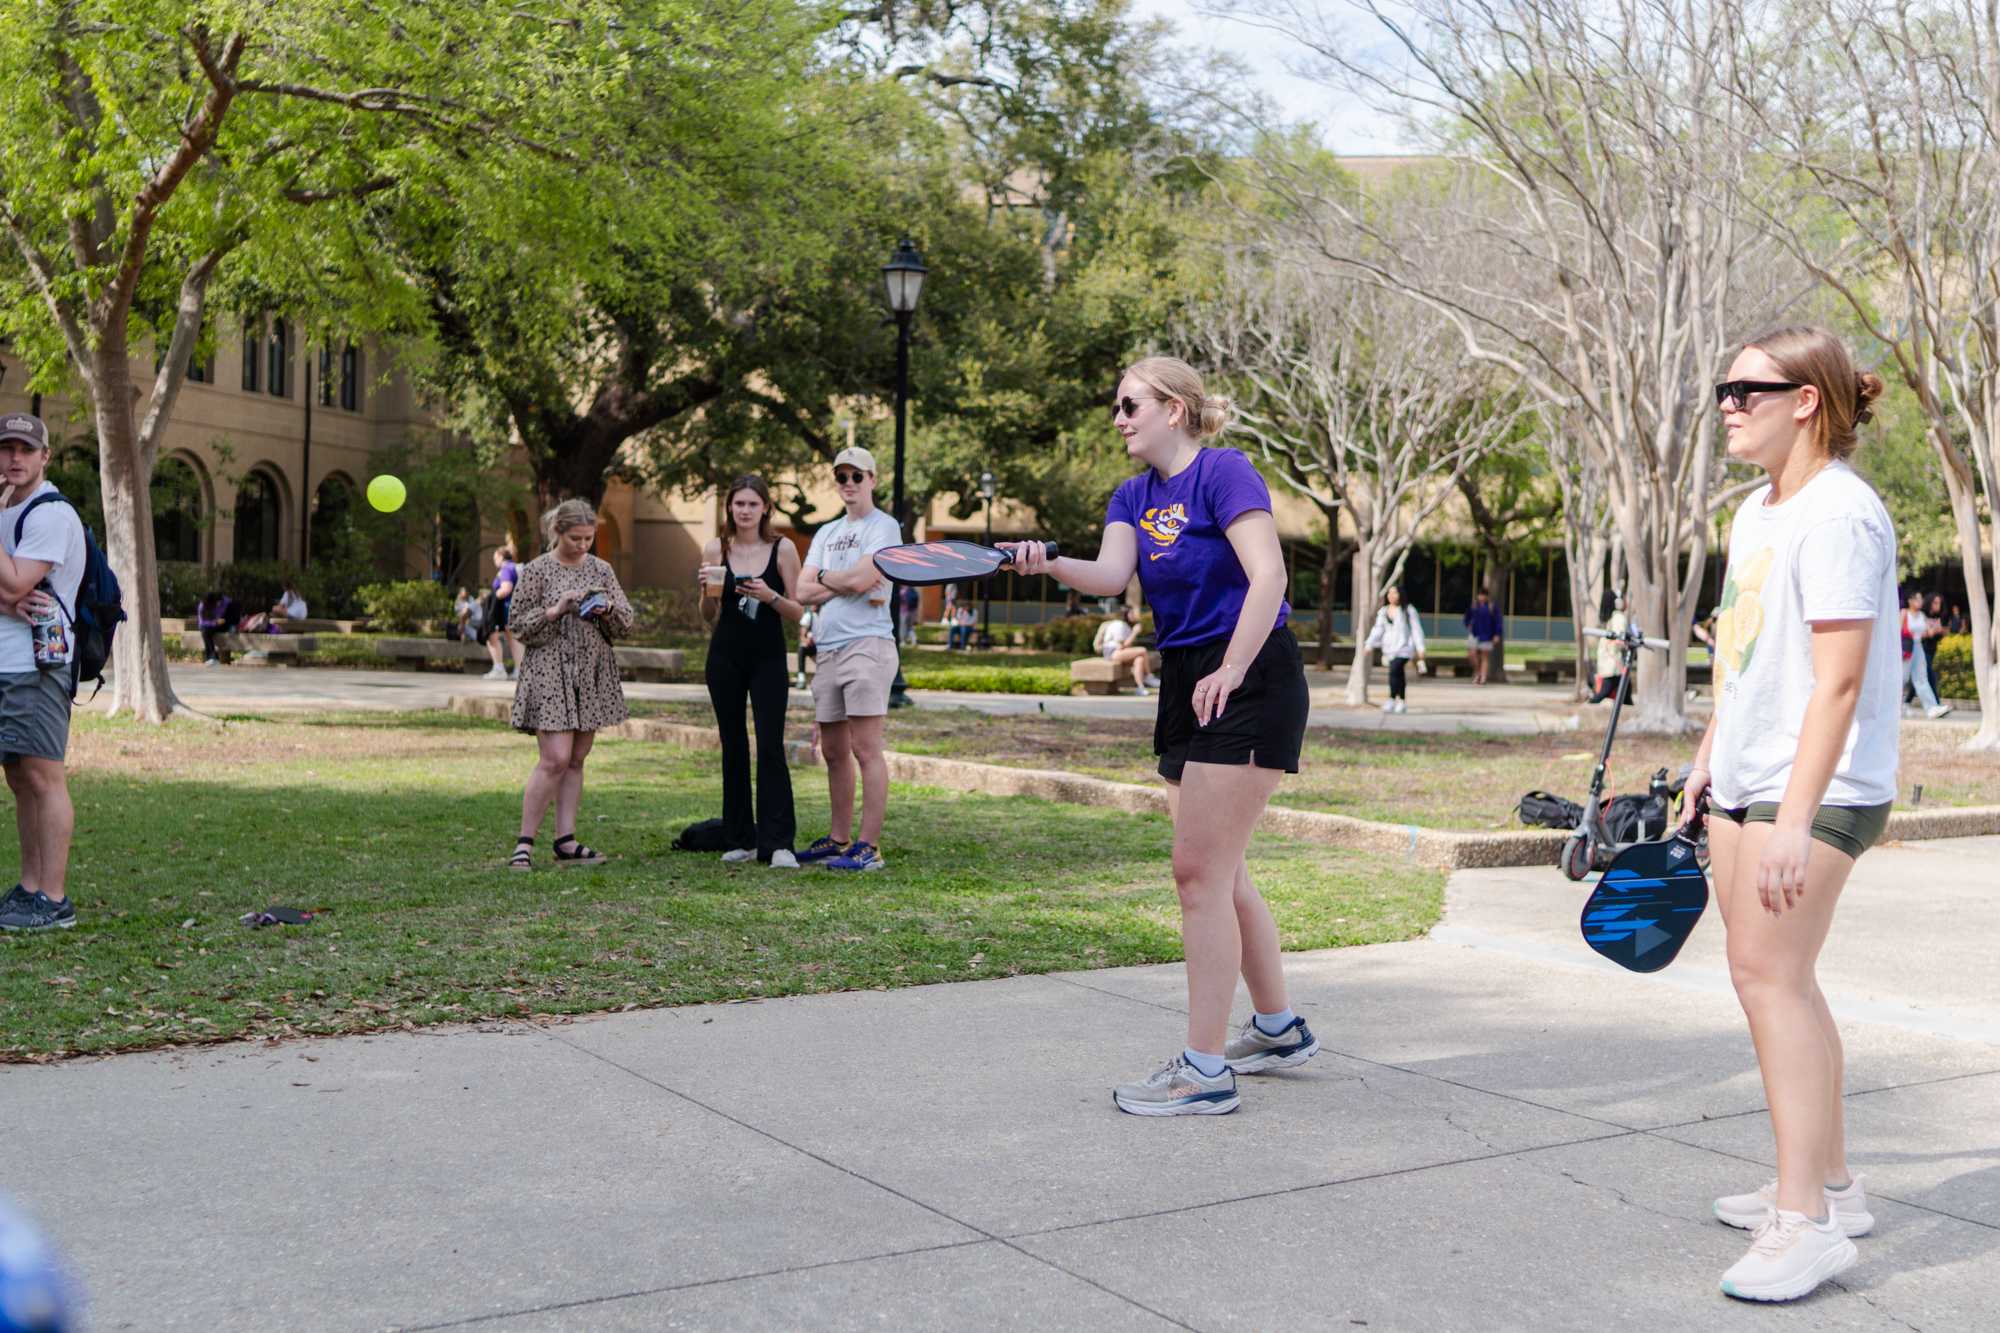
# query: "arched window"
[[332, 517], [259, 514], [177, 506]]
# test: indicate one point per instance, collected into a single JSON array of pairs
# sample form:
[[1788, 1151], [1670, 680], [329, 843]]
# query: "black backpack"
[[100, 603], [1541, 809], [706, 836], [1635, 818]]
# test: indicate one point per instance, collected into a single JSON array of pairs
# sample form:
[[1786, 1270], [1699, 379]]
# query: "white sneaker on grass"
[[1749, 1211], [1791, 1255], [736, 856], [782, 859]]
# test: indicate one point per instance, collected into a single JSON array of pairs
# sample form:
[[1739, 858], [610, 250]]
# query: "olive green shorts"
[[1845, 828]]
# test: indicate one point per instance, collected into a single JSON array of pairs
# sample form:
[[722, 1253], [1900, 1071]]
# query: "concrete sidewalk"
[[1501, 1134]]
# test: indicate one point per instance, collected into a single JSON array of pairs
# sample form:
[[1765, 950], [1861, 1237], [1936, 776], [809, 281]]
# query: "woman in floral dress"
[[566, 611]]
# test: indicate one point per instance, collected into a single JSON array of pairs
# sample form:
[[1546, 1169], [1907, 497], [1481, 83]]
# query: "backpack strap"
[[21, 523]]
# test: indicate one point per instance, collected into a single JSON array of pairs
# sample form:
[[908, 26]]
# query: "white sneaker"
[[736, 856], [1792, 1255], [1749, 1211], [1141, 691], [497, 673], [1935, 713], [1389, 705], [1402, 705], [782, 859]]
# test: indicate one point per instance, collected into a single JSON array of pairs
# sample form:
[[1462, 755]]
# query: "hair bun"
[[1868, 387], [1214, 415]]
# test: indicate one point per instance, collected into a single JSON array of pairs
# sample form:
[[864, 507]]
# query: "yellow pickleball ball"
[[387, 493]]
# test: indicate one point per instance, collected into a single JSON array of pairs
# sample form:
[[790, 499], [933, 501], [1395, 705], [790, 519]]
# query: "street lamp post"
[[903, 276], [988, 488]]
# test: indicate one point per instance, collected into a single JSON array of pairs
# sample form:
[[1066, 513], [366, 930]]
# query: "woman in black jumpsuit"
[[747, 657]]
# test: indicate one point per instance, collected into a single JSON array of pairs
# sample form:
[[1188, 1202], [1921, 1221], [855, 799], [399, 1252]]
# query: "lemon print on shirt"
[[1165, 526], [1741, 617]]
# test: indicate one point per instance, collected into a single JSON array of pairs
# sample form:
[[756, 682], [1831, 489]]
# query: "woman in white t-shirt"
[[1799, 767], [1114, 644]]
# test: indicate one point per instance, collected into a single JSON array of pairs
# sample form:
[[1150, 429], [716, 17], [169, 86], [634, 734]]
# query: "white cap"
[[855, 456]]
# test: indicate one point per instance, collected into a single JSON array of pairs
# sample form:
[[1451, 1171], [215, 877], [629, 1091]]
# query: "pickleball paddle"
[[926, 563], [1648, 901]]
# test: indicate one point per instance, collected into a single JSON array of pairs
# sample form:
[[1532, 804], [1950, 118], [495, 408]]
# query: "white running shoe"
[[1389, 706], [1141, 691], [736, 856], [1402, 705], [1791, 1255], [1935, 713], [1748, 1211], [782, 859], [497, 673]]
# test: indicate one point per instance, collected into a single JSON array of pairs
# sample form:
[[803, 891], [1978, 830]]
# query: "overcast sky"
[[1345, 126]]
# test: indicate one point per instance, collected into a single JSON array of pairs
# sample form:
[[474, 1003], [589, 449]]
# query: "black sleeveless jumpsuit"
[[746, 656]]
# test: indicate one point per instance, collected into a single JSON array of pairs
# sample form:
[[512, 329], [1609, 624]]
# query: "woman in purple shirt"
[[1196, 527]]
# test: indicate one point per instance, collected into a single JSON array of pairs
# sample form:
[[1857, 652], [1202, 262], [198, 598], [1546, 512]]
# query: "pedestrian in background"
[[1483, 628], [1400, 636]]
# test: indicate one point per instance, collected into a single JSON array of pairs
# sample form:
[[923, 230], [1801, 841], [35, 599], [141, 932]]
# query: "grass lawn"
[[1459, 781], [394, 828]]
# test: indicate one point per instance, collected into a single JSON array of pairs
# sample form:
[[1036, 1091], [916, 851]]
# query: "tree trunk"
[[1363, 592], [1979, 609], [1659, 697], [139, 680], [1329, 573], [1499, 576]]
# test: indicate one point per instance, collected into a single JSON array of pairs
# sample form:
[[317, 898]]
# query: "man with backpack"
[[43, 552]]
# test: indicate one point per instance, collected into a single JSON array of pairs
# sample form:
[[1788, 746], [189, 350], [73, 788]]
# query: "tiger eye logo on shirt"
[[1165, 526]]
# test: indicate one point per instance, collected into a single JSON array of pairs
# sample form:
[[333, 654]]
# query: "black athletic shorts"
[[1263, 723]]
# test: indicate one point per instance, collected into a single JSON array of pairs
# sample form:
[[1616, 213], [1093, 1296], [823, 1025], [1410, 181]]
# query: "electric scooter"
[[1590, 846]]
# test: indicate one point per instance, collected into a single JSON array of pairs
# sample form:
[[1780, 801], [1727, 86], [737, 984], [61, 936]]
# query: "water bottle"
[[51, 635]]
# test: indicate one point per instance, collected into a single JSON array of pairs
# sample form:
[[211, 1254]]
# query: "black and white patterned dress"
[[569, 675]]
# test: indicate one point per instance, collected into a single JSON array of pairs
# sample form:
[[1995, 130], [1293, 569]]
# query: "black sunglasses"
[[1739, 391], [847, 478], [1129, 406]]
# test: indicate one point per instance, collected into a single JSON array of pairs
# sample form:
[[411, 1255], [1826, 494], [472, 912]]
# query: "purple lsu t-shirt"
[[1187, 568]]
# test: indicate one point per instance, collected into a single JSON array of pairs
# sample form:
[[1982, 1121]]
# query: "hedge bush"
[[990, 680], [330, 591], [1075, 635], [408, 605], [1954, 668], [661, 614]]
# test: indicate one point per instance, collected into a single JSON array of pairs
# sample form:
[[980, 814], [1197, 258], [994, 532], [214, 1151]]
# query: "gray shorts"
[[34, 714]]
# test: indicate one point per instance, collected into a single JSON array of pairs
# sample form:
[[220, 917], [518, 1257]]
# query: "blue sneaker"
[[859, 856], [22, 910], [823, 850]]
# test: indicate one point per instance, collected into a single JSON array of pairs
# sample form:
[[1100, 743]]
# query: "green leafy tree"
[[154, 147]]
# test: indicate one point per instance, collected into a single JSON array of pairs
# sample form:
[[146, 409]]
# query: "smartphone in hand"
[[592, 605]]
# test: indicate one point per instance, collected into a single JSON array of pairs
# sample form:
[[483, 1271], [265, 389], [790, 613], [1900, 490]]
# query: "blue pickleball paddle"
[[1649, 900]]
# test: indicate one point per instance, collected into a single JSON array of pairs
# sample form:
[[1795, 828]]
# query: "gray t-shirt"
[[841, 545], [53, 533]]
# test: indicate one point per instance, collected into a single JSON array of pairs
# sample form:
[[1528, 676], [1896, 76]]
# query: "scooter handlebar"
[[1659, 645]]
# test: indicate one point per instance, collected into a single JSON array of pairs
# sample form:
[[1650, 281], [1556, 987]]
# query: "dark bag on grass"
[[703, 837], [1635, 818], [1541, 809]]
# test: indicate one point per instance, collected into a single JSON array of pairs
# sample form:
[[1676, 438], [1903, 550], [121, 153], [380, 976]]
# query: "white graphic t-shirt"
[[843, 544], [53, 533], [1828, 553]]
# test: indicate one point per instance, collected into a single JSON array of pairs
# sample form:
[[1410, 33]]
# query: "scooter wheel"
[[1576, 858]]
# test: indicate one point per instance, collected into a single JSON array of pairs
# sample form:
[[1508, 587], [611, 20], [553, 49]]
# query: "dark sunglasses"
[[1739, 391], [1129, 406], [848, 478]]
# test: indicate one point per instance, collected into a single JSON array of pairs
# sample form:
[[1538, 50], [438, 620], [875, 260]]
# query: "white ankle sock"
[[1208, 1066], [1272, 1024]]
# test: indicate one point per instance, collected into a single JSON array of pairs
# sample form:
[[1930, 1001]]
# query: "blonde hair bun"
[[1214, 416], [1202, 415]]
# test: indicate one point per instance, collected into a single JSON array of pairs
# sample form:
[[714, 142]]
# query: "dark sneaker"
[[1178, 1088], [823, 850], [1254, 1050], [858, 856], [22, 910]]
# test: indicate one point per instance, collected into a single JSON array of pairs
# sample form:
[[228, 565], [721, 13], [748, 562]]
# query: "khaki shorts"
[[853, 680]]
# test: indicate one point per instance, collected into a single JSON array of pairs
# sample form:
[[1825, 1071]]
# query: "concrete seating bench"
[[1097, 675], [651, 664], [280, 648]]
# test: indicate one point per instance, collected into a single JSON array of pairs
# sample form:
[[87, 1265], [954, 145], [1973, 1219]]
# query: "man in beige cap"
[[42, 555], [856, 642]]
